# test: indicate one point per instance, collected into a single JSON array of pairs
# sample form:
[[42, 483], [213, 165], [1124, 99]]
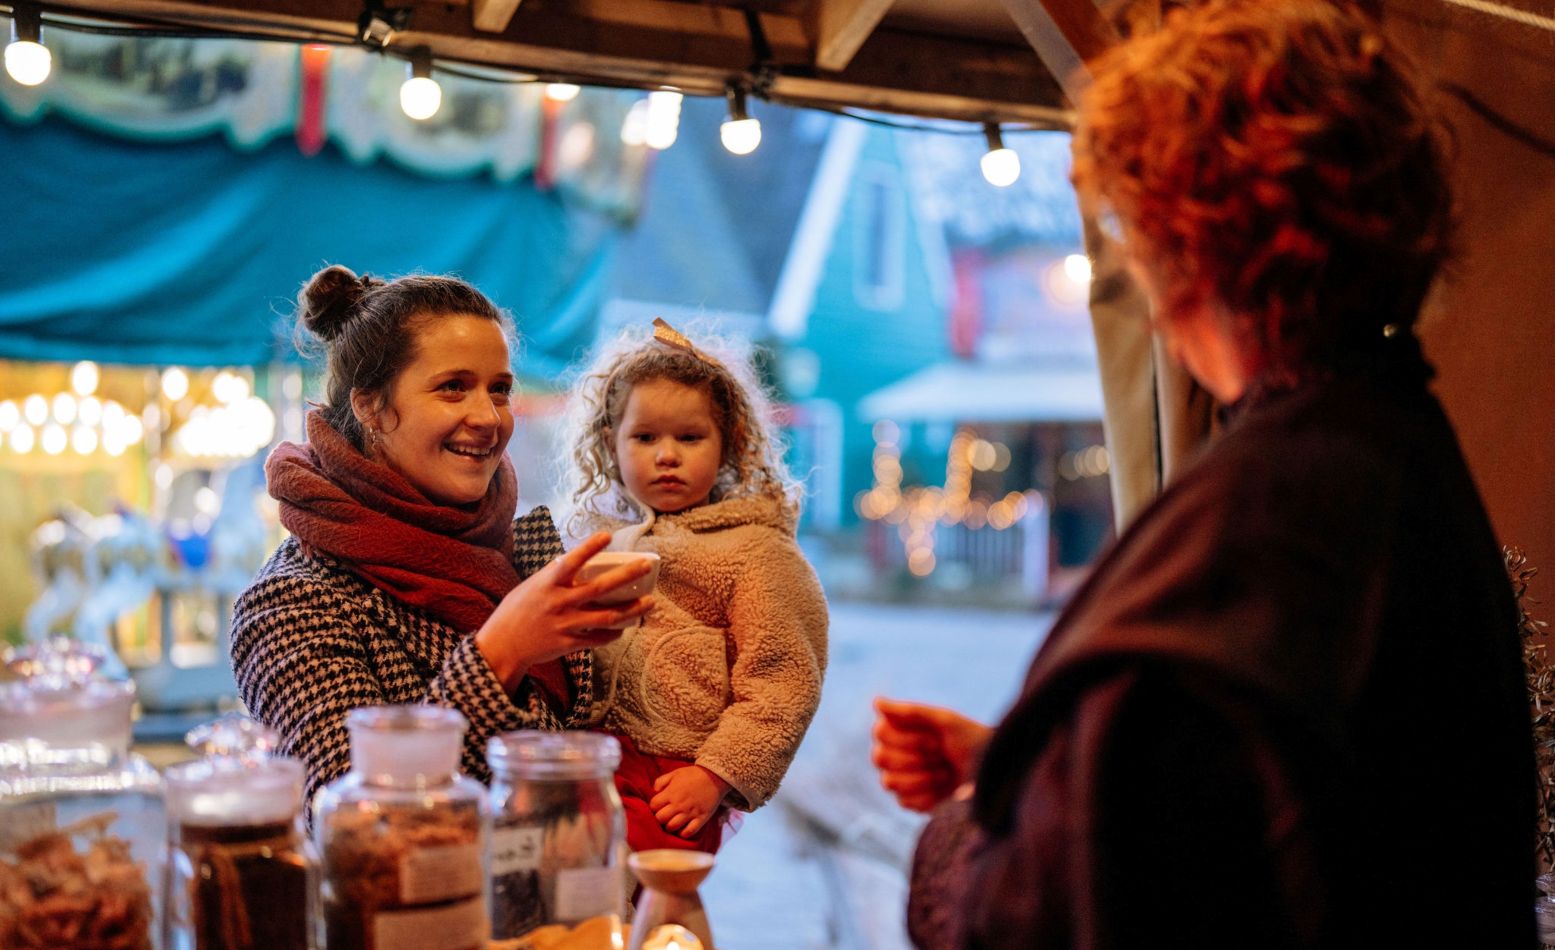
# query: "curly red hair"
[[1275, 161]]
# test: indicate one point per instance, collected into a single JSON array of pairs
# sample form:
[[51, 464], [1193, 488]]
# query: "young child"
[[712, 693]]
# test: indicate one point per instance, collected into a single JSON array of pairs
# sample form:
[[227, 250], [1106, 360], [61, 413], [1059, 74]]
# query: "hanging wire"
[[1482, 109], [228, 27], [1063, 121], [257, 30], [1525, 17]]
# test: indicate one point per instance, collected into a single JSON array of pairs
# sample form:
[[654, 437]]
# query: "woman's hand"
[[686, 798], [924, 753], [548, 616]]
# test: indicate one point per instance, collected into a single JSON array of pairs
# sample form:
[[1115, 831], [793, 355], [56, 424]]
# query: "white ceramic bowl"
[[608, 560]]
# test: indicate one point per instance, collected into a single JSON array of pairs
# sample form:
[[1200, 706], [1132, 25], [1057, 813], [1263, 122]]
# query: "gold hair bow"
[[669, 336]]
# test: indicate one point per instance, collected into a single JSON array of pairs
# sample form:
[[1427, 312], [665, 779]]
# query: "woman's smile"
[[448, 420]]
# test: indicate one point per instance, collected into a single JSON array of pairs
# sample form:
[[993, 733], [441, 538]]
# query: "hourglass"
[[669, 915]]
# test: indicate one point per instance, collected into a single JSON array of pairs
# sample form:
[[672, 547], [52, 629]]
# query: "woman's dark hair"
[[369, 329]]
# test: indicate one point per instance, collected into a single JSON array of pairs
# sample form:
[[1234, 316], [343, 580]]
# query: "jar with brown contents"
[[239, 871], [402, 838], [82, 826]]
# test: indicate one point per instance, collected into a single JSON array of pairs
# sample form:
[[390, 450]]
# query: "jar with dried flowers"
[[82, 826], [402, 837]]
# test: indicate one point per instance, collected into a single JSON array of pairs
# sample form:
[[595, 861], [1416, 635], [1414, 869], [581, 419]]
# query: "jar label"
[[515, 849], [24, 822], [455, 927], [587, 892], [441, 873]]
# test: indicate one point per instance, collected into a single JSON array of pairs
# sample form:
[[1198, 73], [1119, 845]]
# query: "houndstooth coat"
[[311, 641]]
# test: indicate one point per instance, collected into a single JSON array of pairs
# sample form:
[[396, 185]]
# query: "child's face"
[[668, 447]]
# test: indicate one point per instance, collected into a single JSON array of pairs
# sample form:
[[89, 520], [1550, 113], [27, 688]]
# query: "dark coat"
[[1286, 710]]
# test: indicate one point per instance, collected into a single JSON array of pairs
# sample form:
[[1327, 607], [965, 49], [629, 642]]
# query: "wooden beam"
[[650, 43], [841, 27], [1065, 33], [493, 16]]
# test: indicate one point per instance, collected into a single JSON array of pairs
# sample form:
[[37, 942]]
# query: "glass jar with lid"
[[559, 838], [82, 827], [401, 839], [237, 868]]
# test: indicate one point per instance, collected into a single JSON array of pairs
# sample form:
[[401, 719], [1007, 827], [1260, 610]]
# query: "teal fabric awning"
[[192, 253]]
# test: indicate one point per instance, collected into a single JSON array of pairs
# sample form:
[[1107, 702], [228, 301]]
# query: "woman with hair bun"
[[406, 578]]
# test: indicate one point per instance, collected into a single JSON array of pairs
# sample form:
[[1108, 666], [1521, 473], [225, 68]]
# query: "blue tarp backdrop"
[[192, 252]]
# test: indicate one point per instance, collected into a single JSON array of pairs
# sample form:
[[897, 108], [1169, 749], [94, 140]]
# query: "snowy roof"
[[716, 227], [966, 391], [950, 189]]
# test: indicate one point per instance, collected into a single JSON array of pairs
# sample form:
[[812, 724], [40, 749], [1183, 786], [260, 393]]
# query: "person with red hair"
[[1287, 710]]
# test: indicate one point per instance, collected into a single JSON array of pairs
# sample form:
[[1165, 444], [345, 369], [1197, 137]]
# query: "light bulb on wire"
[[740, 133], [562, 91], [634, 128], [420, 95], [663, 118], [1001, 166], [27, 60]]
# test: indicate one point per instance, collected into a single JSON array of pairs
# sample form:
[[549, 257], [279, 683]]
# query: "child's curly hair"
[[1277, 159], [752, 463]]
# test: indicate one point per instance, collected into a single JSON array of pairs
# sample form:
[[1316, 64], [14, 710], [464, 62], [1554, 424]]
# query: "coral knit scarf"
[[454, 563]]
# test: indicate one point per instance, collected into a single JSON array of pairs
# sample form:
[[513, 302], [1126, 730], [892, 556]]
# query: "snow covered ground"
[[823, 866]]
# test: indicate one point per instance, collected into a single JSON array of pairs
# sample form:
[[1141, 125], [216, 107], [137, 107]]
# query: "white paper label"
[[455, 927], [20, 824], [587, 892], [515, 849], [428, 875]]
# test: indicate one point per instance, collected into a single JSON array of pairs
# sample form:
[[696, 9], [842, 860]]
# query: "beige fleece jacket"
[[725, 669]]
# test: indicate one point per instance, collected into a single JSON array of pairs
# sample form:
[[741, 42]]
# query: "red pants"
[[634, 780]]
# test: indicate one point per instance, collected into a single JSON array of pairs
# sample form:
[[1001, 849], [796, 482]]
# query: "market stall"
[[432, 879]]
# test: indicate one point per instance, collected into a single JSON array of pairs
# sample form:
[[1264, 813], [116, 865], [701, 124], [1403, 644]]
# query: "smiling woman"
[[445, 422], [407, 578]]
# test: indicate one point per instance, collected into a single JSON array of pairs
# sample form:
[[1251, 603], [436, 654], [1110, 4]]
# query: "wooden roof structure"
[[974, 60], [1008, 61]]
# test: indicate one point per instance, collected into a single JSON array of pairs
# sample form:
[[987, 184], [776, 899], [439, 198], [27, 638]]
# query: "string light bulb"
[[562, 91], [634, 128], [663, 118], [1001, 166], [27, 60], [740, 133], [420, 95]]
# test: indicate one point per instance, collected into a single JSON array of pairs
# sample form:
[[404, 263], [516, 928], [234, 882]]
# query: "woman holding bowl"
[[406, 578]]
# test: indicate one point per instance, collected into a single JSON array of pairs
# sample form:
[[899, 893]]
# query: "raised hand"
[[548, 616], [924, 753]]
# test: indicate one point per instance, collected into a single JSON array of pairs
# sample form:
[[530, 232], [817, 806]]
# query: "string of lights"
[[653, 121]]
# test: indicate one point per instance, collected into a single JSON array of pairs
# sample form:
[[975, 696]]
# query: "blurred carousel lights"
[[917, 511], [77, 420], [175, 383], [239, 425]]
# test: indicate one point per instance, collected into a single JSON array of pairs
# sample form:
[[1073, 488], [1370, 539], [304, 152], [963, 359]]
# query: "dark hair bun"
[[329, 300]]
